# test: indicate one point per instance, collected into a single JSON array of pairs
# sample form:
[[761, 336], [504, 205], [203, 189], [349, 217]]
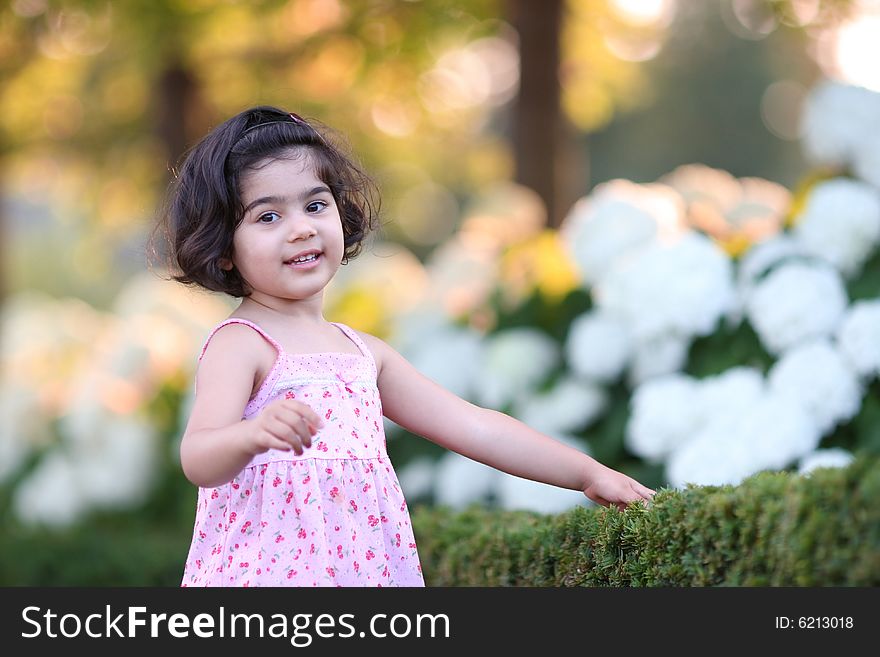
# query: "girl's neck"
[[305, 311]]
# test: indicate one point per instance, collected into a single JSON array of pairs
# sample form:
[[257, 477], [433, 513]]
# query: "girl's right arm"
[[217, 443]]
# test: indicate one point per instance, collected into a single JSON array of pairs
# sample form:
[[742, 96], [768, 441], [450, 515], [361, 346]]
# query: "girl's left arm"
[[419, 405]]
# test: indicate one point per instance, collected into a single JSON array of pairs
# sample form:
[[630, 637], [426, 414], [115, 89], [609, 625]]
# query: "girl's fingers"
[[313, 419], [280, 429], [298, 424], [278, 444], [291, 425], [645, 492], [306, 433]]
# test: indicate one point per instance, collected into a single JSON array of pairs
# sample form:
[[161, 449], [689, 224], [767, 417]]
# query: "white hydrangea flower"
[[119, 444], [841, 224], [866, 160], [770, 434], [858, 337], [569, 406], [21, 425], [617, 217], [663, 416], [460, 481], [657, 356], [816, 375], [598, 346], [835, 120], [516, 361], [709, 461], [684, 287], [731, 392], [451, 356], [765, 256], [672, 411], [759, 260], [795, 302], [417, 477], [51, 494], [524, 494], [834, 457]]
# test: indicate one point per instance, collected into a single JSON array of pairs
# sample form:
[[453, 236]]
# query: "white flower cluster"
[[656, 284], [101, 452], [792, 290], [796, 302], [616, 219], [858, 338], [841, 128], [651, 258], [792, 287], [721, 429], [841, 224]]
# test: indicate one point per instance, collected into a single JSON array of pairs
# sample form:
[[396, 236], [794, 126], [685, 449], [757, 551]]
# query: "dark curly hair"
[[204, 206]]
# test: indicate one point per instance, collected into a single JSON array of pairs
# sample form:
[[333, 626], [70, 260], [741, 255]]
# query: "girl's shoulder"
[[236, 349], [242, 337]]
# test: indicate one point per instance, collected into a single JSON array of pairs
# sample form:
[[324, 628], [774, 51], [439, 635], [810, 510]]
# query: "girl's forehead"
[[287, 169]]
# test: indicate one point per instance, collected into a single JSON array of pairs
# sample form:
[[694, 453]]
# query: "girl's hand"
[[284, 424], [611, 487]]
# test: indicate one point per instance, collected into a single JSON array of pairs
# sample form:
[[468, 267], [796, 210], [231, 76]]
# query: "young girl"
[[285, 439]]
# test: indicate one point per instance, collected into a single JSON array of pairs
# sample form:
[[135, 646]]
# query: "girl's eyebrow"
[[265, 200]]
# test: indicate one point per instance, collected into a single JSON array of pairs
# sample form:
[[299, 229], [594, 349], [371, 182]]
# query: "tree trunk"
[[179, 115], [540, 138]]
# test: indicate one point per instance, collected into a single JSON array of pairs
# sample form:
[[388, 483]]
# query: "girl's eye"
[[268, 217], [316, 206]]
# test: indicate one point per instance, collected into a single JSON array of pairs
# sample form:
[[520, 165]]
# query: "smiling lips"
[[304, 260]]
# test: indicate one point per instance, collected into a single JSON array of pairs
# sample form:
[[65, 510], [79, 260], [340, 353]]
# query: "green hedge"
[[772, 530]]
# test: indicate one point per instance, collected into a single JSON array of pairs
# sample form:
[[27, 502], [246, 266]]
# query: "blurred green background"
[[483, 121]]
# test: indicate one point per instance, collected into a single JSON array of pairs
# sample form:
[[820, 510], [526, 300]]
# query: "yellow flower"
[[542, 264], [802, 193], [362, 307]]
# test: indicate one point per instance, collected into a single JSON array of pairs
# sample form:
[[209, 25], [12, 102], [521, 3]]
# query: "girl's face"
[[290, 242]]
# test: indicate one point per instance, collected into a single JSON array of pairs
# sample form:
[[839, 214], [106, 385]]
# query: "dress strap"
[[239, 320], [352, 335]]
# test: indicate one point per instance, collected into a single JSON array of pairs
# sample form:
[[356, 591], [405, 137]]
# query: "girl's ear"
[[225, 264]]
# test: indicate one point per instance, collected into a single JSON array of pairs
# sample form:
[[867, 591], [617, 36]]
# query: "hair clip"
[[290, 117]]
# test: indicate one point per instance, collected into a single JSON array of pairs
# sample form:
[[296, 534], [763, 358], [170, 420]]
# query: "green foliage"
[[867, 284], [729, 346], [775, 529], [101, 552]]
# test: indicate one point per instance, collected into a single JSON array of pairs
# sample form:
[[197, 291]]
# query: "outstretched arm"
[[421, 406]]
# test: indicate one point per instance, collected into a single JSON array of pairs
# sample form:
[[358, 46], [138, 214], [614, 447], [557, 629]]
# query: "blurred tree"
[[710, 89], [539, 131], [98, 99]]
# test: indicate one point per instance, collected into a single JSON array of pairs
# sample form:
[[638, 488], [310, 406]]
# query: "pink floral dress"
[[334, 516]]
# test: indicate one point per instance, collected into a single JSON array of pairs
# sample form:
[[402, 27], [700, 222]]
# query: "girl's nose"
[[301, 229]]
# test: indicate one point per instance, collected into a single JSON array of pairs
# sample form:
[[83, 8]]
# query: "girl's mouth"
[[304, 260]]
